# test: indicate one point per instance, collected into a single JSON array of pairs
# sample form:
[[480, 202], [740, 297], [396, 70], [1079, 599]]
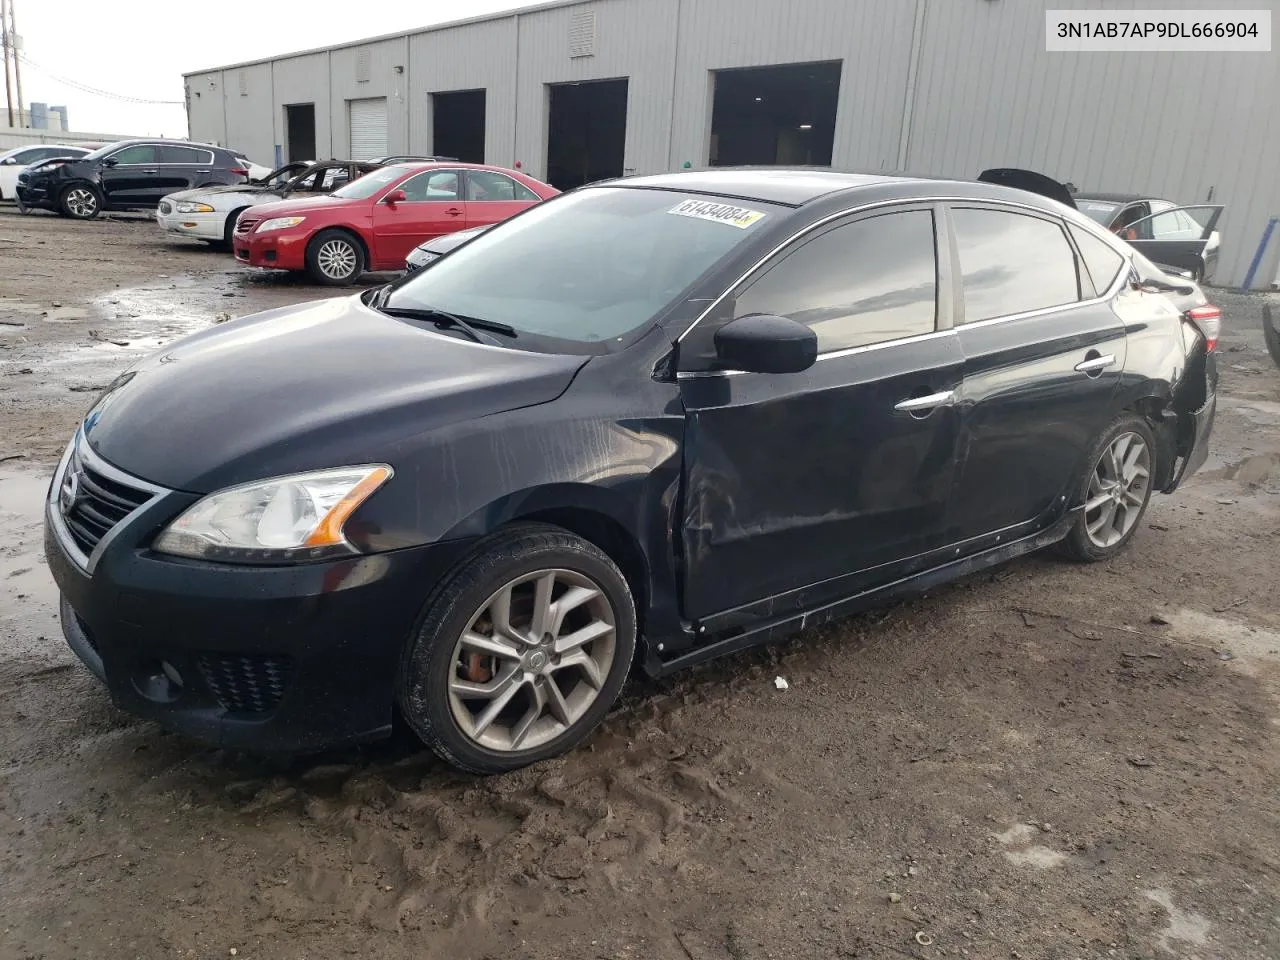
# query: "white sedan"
[[14, 161], [210, 213]]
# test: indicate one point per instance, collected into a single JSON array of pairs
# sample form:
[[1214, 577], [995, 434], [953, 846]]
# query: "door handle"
[[1095, 365], [204, 171], [454, 212], [923, 405], [150, 171]]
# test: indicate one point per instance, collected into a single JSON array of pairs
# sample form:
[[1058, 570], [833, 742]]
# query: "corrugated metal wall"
[[947, 87]]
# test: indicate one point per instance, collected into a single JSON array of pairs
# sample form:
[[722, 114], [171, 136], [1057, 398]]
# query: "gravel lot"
[[1045, 761]]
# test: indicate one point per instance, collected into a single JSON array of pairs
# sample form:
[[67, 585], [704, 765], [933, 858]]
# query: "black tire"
[[229, 229], [322, 252], [1271, 332], [430, 663], [80, 201], [1079, 544]]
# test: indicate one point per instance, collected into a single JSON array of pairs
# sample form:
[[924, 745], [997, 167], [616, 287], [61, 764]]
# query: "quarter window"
[[1102, 262], [138, 153], [432, 185], [1011, 263], [857, 284]]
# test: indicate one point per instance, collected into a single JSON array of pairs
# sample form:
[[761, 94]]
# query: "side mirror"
[[394, 197], [110, 162], [760, 343]]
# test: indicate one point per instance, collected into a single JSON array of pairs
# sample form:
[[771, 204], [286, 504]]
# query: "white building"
[[584, 89]]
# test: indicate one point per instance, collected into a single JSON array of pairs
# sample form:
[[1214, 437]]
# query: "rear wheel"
[[1115, 492], [80, 201], [335, 258], [521, 653]]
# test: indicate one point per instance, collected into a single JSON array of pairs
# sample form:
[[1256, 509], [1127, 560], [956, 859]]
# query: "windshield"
[[588, 266], [366, 186], [1099, 211]]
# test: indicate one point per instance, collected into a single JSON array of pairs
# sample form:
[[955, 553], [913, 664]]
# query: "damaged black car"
[[647, 422]]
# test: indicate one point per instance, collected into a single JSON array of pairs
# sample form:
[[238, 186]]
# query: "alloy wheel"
[[1117, 490], [82, 202], [337, 259], [532, 660]]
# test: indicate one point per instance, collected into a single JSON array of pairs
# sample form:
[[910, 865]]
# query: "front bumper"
[[197, 226], [267, 659], [35, 196], [276, 250]]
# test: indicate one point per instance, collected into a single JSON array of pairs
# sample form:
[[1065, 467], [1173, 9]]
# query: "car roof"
[[787, 186], [1114, 197], [175, 143]]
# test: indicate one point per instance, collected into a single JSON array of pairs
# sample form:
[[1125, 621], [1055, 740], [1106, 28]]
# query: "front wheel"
[[1115, 492], [335, 258], [80, 202], [521, 653]]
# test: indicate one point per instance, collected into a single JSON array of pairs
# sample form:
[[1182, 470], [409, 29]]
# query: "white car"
[[210, 213], [14, 161]]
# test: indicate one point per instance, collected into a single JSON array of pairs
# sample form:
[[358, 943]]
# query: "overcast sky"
[[141, 49]]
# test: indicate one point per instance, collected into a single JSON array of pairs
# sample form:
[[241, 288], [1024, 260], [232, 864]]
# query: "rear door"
[[492, 197], [432, 207], [131, 179], [813, 485], [1043, 356], [182, 168], [1177, 237]]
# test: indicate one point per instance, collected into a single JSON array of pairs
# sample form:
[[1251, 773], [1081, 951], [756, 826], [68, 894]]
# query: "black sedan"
[[650, 421], [437, 247], [128, 175]]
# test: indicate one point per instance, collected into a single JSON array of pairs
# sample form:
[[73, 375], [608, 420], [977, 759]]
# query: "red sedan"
[[374, 222]]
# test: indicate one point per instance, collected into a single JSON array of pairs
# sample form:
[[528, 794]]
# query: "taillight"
[[240, 171], [1208, 320]]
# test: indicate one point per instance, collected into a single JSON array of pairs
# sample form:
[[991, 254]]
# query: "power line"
[[97, 92]]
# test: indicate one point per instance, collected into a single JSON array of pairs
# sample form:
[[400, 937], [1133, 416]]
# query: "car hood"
[[316, 385], [199, 193], [300, 206]]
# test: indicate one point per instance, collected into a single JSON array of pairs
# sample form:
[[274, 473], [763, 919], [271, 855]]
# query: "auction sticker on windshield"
[[739, 217]]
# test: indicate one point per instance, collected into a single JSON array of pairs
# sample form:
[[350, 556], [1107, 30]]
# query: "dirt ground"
[[1048, 761]]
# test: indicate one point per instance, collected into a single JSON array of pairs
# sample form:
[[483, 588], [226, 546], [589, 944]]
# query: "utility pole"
[[15, 41], [4, 37]]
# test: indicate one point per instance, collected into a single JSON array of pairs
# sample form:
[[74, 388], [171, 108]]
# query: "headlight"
[[282, 520], [420, 258], [279, 223], [186, 206]]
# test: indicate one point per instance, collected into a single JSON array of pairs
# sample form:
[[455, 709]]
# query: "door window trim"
[[1121, 278], [1034, 214]]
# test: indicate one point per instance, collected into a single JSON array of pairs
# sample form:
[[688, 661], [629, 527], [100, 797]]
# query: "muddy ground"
[[1046, 761]]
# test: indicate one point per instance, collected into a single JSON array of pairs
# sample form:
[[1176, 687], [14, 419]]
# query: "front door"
[[432, 207], [1043, 356], [806, 480], [131, 180], [1181, 237]]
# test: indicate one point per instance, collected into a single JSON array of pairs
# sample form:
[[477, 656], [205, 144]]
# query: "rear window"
[[1100, 260], [1100, 211]]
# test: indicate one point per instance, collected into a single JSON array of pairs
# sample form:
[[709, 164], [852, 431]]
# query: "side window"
[[1102, 262], [138, 153], [191, 155], [857, 284], [432, 185], [483, 185], [1011, 263], [32, 156]]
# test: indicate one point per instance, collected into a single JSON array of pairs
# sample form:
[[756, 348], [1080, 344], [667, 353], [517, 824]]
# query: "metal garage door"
[[368, 128]]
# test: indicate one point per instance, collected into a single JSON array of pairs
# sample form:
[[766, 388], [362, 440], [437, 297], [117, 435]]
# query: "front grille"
[[166, 207], [246, 683], [92, 504], [245, 224]]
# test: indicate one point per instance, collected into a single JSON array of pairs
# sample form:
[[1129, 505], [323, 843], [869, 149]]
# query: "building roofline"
[[509, 14]]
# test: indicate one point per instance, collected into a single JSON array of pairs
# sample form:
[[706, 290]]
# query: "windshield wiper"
[[471, 326]]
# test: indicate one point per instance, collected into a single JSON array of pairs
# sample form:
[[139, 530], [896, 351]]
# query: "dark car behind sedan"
[[655, 420], [128, 175]]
